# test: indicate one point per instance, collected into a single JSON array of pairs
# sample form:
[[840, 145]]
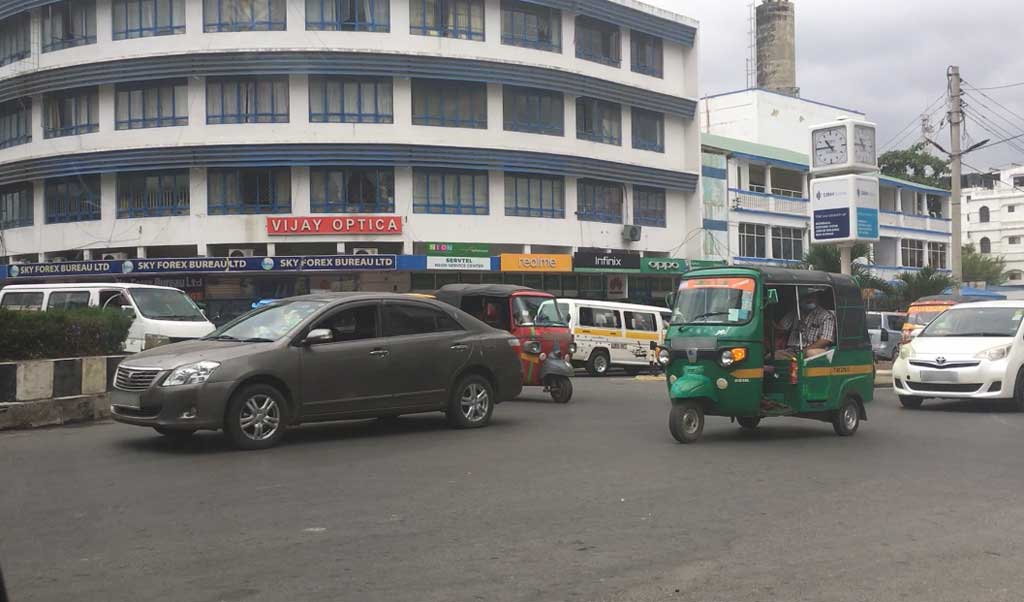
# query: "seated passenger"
[[817, 328]]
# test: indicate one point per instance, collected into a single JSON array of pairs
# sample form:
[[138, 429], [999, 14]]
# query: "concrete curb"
[[36, 393], [54, 412], [883, 378]]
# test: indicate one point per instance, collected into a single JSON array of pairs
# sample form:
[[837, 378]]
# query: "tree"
[[982, 268], [914, 164], [826, 258], [922, 283]]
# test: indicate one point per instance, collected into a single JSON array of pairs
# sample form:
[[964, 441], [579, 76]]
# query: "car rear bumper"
[[987, 380], [186, 406]]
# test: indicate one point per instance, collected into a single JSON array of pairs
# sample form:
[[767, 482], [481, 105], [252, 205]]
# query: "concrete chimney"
[[776, 47]]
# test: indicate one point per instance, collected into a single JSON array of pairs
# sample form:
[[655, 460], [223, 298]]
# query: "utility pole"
[[955, 119]]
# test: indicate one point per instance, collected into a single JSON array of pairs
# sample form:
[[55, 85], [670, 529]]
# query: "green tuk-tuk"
[[736, 348]]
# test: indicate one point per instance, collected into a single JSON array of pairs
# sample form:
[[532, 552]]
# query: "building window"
[[752, 241], [15, 38], [646, 54], [598, 41], [1018, 181], [598, 121], [649, 206], [983, 214], [15, 122], [787, 243], [67, 24], [648, 130], [348, 15], [147, 18], [599, 201], [352, 189], [533, 110], [463, 19], [152, 194], [249, 190], [16, 206], [244, 15], [443, 191], [1014, 240], [531, 26], [350, 100], [152, 104], [937, 255], [73, 199], [71, 113], [1011, 208], [452, 104], [528, 195], [985, 246], [1015, 275], [913, 253], [247, 100]]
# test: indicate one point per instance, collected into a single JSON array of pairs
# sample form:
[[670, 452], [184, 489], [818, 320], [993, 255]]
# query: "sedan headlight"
[[191, 374], [995, 353]]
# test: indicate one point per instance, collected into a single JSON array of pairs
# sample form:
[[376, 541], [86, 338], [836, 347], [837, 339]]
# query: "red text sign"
[[348, 224]]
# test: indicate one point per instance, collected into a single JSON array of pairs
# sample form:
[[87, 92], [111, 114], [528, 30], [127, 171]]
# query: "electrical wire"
[[930, 110], [1001, 87]]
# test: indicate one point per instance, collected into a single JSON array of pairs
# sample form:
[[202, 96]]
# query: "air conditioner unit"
[[240, 252], [114, 256], [631, 233], [364, 251], [56, 259]]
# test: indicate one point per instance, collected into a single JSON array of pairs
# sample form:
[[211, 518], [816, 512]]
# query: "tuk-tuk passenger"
[[817, 328]]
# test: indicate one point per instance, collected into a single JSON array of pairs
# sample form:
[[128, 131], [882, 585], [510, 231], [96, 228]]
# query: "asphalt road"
[[590, 501]]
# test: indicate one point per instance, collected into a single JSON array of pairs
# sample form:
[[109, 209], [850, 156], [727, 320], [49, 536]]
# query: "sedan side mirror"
[[318, 335]]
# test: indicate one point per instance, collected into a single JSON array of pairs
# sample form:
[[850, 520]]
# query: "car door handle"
[[380, 353], [459, 347]]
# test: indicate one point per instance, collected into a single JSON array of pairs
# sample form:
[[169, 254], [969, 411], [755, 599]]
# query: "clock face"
[[830, 146], [864, 144]]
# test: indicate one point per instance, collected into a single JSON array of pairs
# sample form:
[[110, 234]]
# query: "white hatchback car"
[[968, 352]]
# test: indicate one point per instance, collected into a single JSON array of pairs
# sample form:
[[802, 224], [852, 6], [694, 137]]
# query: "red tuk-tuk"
[[535, 319]]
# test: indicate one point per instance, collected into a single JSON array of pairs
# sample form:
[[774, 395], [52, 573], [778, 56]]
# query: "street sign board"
[[844, 209], [458, 249]]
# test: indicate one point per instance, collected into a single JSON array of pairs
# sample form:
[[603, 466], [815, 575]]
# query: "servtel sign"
[[341, 225]]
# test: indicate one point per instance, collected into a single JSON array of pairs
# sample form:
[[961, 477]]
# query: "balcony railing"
[[755, 200], [915, 222]]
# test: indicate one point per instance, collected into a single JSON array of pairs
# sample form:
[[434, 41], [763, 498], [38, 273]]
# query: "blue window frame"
[[16, 206], [531, 195], [233, 190], [151, 104], [646, 54], [15, 122], [450, 192], [147, 18], [348, 15], [15, 38], [351, 99], [531, 26], [244, 15], [463, 19], [71, 113], [446, 103], [152, 194], [648, 130], [599, 201], [598, 41], [533, 110], [68, 23], [352, 189], [246, 100], [72, 199], [598, 121], [649, 206]]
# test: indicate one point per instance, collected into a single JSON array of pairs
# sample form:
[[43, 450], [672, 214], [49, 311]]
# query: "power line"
[[1001, 87], [996, 130], [929, 109], [999, 104]]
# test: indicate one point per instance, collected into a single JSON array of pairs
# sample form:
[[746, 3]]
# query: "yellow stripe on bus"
[[840, 370], [609, 332]]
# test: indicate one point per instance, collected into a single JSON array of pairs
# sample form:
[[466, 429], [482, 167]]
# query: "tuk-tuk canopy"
[[452, 294]]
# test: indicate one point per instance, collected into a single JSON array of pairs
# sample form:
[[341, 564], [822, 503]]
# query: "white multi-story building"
[[182, 128], [993, 219]]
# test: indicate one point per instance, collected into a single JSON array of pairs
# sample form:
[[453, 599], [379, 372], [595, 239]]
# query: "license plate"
[[125, 399], [939, 376]]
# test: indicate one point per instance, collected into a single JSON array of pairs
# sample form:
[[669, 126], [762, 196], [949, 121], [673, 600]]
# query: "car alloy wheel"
[[475, 402], [260, 417]]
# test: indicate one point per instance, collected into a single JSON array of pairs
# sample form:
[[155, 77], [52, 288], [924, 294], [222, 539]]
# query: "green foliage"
[[921, 284], [914, 164], [31, 335], [982, 268], [826, 259]]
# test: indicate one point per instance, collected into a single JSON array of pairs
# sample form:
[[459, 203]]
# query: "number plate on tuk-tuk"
[[939, 376]]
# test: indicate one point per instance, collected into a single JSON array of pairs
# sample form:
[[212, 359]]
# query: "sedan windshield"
[[976, 322], [268, 323], [166, 304], [714, 301], [540, 311]]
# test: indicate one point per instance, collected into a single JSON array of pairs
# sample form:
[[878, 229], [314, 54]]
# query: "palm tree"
[[922, 283], [826, 258]]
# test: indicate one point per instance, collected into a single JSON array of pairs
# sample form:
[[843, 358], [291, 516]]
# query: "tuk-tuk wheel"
[[560, 388], [686, 422], [748, 422], [846, 420]]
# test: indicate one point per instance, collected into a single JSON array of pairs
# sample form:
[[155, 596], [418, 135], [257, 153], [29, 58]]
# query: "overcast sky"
[[887, 58]]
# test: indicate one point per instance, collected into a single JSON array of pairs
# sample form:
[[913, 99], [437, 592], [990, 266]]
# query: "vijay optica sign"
[[346, 224]]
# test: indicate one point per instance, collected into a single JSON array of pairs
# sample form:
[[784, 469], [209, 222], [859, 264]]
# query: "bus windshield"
[[166, 304], [714, 301]]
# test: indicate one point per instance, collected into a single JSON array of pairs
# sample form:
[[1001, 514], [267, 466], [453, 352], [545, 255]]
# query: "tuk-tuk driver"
[[817, 328]]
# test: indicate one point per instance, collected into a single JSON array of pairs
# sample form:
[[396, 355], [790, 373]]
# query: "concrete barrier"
[[36, 393], [883, 378]]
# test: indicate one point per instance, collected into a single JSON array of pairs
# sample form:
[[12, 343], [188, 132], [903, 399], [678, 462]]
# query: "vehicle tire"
[[846, 420], [598, 363], [173, 433], [686, 422], [911, 402], [471, 403], [1018, 392], [256, 417], [560, 388], [748, 422]]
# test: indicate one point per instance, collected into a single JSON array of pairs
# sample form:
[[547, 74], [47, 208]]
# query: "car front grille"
[[944, 365], [943, 387], [135, 379]]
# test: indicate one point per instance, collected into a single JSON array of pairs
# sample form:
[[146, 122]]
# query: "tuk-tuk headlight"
[[664, 357], [532, 347], [731, 356], [572, 348]]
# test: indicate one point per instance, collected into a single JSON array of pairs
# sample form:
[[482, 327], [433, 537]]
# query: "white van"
[[161, 314], [611, 334]]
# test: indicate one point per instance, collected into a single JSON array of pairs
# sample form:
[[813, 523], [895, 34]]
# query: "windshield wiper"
[[257, 340], [221, 337], [708, 315]]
